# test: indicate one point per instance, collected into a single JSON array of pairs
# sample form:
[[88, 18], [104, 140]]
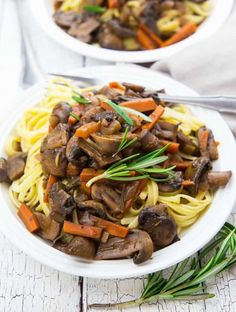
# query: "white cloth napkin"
[[208, 66]]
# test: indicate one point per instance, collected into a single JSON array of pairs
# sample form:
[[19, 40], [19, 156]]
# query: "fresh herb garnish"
[[79, 98], [95, 8], [143, 166], [124, 143], [185, 281], [75, 116], [120, 112]]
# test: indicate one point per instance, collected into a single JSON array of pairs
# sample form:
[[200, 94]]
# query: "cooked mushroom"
[[60, 202], [54, 162], [110, 196], [133, 87], [49, 228], [218, 178], [60, 114], [159, 225], [65, 19], [109, 40], [3, 171], [173, 184], [186, 144], [137, 244], [210, 150], [74, 153], [83, 29], [58, 137], [149, 141], [16, 166], [119, 30], [79, 246], [93, 207], [195, 172]]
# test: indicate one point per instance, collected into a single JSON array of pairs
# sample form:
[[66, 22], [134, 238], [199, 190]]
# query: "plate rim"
[[96, 269]]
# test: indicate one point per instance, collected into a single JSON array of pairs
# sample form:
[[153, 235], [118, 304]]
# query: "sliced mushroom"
[[58, 137], [49, 228], [186, 144], [137, 244], [211, 150], [60, 114], [149, 141], [55, 162], [16, 166], [218, 178], [195, 172], [173, 184], [93, 207], [75, 154], [83, 30], [61, 203], [78, 246], [3, 171], [134, 87], [159, 225], [109, 195]]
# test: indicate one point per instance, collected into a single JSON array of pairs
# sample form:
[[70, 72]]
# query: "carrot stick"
[[89, 173], [187, 183], [105, 106], [155, 116], [141, 105], [183, 33], [113, 4], [51, 180], [87, 129], [152, 35], [82, 230], [203, 139], [145, 41], [112, 228], [116, 85], [28, 218], [183, 165], [173, 147]]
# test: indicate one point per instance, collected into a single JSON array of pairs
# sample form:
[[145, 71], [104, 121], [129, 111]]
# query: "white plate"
[[191, 241], [43, 10]]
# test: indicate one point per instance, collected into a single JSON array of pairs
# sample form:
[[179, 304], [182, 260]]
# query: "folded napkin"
[[209, 66]]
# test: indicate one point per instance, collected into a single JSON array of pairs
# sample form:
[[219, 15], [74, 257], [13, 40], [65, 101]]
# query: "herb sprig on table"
[[185, 281], [141, 167]]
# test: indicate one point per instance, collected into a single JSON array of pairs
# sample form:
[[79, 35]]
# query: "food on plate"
[[110, 172], [130, 25]]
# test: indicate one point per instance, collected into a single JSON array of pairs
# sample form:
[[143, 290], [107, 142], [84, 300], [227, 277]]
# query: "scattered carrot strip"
[[145, 41], [87, 129], [187, 183], [113, 4], [89, 173], [85, 188], [173, 147], [28, 218], [141, 105], [116, 85], [183, 165], [152, 35], [51, 180], [112, 228], [105, 106], [203, 139], [155, 116], [82, 230], [183, 33]]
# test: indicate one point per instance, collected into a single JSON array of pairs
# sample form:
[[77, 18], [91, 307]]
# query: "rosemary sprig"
[[79, 98], [75, 116], [95, 8], [143, 166], [185, 281], [124, 143], [120, 112]]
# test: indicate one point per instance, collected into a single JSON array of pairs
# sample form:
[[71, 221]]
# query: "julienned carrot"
[[183, 33], [203, 139], [87, 129], [116, 85], [183, 165], [152, 35], [141, 105], [51, 180], [89, 173], [187, 183], [113, 4], [155, 116], [112, 228], [105, 106], [28, 218], [82, 230], [145, 41], [173, 147]]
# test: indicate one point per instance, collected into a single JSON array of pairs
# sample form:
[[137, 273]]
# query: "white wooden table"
[[28, 286]]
